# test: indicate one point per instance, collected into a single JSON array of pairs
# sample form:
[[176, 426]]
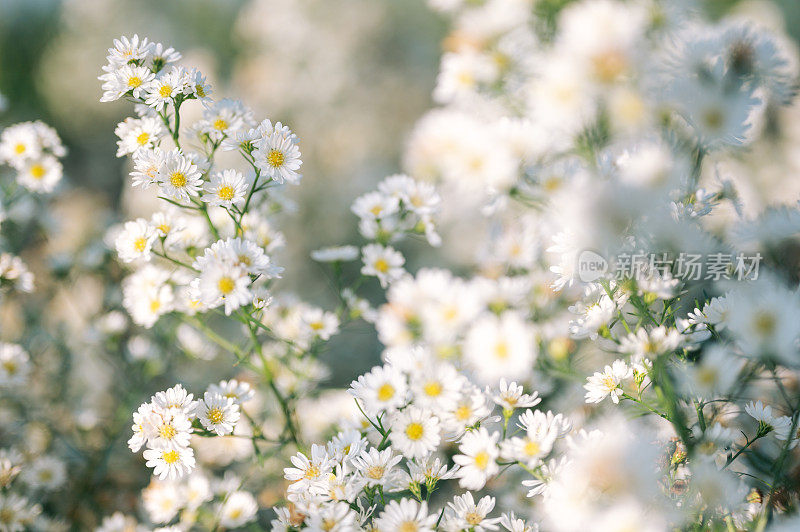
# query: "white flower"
[[138, 133], [375, 206], [45, 472], [511, 396], [164, 88], [14, 272], [146, 164], [335, 254], [337, 517], [497, 347], [320, 324], [238, 391], [40, 175], [178, 177], [609, 382], [226, 188], [170, 463], [767, 421], [385, 263], [175, 398], [436, 387], [135, 240], [530, 449], [126, 50], [237, 509], [223, 284], [309, 474], [218, 413], [542, 424], [644, 344], [477, 457], [406, 515], [167, 429], [126, 79], [384, 388], [463, 513], [139, 419], [376, 466], [15, 365], [512, 524], [415, 432], [277, 154]]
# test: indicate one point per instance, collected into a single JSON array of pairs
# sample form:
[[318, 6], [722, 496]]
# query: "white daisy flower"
[[14, 365], [385, 263], [164, 88], [383, 389], [277, 154], [218, 413], [406, 515], [170, 464], [126, 79], [463, 513], [237, 509], [511, 396], [138, 133], [167, 429], [175, 398], [135, 240], [309, 475], [238, 391], [609, 382], [177, 177], [146, 164], [127, 50], [477, 457], [415, 432], [377, 466], [500, 346], [226, 188], [223, 284], [40, 175]]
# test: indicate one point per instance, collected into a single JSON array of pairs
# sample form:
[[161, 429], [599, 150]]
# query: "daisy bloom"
[[238, 391], [383, 389], [277, 154], [178, 177], [218, 413], [135, 240], [170, 464], [406, 515], [222, 284], [385, 263], [477, 457], [138, 133], [463, 513], [415, 432], [309, 474], [237, 509], [14, 364], [40, 175], [511, 396], [226, 188], [609, 382], [376, 466]]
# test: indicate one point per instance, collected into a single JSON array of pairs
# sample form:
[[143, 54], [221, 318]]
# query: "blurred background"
[[350, 77]]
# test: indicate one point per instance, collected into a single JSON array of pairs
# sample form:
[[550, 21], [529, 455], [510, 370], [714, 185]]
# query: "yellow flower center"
[[312, 472], [167, 432], [164, 228], [140, 244], [226, 285], [375, 472], [37, 171], [381, 265], [474, 518], [316, 325], [609, 382], [407, 526], [225, 192], [170, 457], [376, 210], [433, 389], [143, 138], [220, 124], [765, 323], [200, 90], [275, 158], [385, 392], [532, 448], [215, 415], [177, 179], [414, 431], [165, 91], [155, 305], [134, 81], [19, 148], [463, 413], [481, 460], [501, 350]]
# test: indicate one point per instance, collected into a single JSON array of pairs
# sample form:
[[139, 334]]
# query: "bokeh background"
[[350, 77]]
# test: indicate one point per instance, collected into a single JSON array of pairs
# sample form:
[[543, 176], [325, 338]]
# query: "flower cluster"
[[33, 149]]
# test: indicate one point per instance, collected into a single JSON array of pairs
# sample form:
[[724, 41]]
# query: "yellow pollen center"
[[167, 432], [463, 412], [385, 392], [165, 91], [170, 457], [200, 91], [375, 472], [177, 179], [376, 210], [414, 431], [155, 305], [37, 171], [220, 124], [226, 285], [225, 192], [765, 323], [164, 228], [501, 350], [140, 244], [481, 460], [19, 148], [134, 81], [312, 472], [609, 382], [433, 389], [316, 325], [143, 138], [474, 518], [381, 265], [215, 415], [532, 448], [275, 158], [408, 526]]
